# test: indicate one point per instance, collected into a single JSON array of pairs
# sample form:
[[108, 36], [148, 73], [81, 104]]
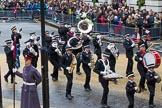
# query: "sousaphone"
[[84, 27]]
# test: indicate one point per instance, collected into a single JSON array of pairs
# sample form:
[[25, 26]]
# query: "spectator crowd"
[[117, 13]]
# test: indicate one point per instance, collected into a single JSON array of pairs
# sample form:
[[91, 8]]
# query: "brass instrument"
[[92, 61], [77, 46], [72, 65], [84, 27], [114, 50], [55, 45]]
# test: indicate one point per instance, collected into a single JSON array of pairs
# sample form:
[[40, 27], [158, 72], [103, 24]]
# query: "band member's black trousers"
[[142, 73], [55, 64], [69, 83], [87, 71], [105, 84], [77, 55], [131, 100], [63, 48], [129, 66], [78, 64], [112, 65], [10, 66], [151, 89], [34, 62]]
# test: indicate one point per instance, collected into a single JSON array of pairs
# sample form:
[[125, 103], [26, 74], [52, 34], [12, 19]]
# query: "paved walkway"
[[82, 99]]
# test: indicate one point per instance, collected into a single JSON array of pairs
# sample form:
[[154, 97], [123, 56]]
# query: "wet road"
[[82, 99]]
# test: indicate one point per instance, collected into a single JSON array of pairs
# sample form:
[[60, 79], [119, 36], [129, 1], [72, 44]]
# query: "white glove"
[[14, 70], [103, 73], [68, 68], [110, 71], [132, 45], [35, 53], [12, 47], [89, 64], [156, 77], [56, 50], [36, 42], [140, 59], [31, 50], [135, 88]]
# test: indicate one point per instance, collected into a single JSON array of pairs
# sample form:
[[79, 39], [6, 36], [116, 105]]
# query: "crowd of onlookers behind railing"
[[118, 13]]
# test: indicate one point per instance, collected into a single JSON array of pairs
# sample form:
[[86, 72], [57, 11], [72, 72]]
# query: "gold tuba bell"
[[84, 27]]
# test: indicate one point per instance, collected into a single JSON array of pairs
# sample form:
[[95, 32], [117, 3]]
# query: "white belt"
[[26, 83]]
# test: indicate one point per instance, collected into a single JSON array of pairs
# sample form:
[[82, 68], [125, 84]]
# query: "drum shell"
[[156, 62]]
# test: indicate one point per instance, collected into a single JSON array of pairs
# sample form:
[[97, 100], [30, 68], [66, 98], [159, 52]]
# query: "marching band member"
[[140, 67], [71, 32], [62, 30], [86, 64], [97, 42], [8, 49], [86, 39], [144, 40], [114, 53], [35, 45], [76, 44], [67, 60], [31, 78], [101, 68], [129, 45], [151, 84], [131, 88], [30, 50], [17, 36], [54, 57], [48, 39]]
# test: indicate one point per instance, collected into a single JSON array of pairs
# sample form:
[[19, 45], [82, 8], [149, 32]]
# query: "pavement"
[[82, 99]]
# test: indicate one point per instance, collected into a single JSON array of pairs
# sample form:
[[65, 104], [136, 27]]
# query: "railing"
[[107, 28]]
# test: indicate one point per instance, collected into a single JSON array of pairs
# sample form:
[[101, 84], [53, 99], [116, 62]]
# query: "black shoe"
[[69, 97], [72, 96], [6, 79], [143, 89], [54, 79], [13, 83], [88, 89], [151, 106], [105, 106], [79, 73]]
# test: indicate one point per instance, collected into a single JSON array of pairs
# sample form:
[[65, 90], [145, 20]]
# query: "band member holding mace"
[[31, 78]]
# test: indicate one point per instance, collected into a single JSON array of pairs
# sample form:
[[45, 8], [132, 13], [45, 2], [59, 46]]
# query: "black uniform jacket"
[[129, 49]]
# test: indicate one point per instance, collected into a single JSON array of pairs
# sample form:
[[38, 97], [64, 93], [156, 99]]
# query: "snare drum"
[[152, 59]]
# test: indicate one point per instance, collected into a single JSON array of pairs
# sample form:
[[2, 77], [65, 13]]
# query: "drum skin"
[[152, 59]]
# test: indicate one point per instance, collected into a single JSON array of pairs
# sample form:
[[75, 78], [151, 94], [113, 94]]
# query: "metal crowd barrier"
[[107, 28], [19, 14]]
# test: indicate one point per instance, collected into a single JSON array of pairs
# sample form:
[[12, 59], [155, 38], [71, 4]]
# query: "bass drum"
[[152, 59]]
